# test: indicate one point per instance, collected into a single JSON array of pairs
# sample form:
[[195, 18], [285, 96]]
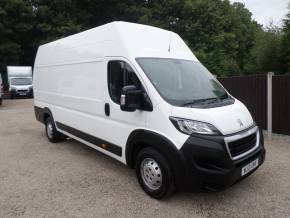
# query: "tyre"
[[154, 174], [51, 132]]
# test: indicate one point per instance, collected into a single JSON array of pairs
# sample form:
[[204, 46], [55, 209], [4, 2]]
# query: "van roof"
[[118, 38]]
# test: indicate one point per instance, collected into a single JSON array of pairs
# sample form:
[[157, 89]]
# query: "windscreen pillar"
[[269, 104]]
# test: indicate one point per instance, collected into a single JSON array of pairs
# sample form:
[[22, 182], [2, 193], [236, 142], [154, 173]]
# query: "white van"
[[20, 81], [138, 94]]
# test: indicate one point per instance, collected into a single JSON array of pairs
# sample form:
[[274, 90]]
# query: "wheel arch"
[[141, 138], [42, 114]]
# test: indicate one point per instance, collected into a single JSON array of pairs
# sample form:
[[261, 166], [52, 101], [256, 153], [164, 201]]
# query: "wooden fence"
[[281, 104], [252, 91]]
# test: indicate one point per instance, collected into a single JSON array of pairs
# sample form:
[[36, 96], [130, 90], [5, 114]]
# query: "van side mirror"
[[130, 98]]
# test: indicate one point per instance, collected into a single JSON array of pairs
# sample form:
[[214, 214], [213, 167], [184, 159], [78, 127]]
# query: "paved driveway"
[[38, 178]]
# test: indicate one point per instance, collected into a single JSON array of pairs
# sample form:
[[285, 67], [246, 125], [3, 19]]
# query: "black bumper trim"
[[39, 114], [23, 93], [117, 150]]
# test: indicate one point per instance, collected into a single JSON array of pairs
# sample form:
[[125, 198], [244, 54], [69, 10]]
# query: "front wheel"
[[154, 174]]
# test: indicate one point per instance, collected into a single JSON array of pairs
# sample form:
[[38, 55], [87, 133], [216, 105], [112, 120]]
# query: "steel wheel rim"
[[49, 130], [151, 173]]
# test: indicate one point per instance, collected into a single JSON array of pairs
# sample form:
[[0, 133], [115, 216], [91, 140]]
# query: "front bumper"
[[209, 164], [24, 92]]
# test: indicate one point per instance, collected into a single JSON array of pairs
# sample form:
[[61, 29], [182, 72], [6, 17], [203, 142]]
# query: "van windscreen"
[[183, 82], [21, 81]]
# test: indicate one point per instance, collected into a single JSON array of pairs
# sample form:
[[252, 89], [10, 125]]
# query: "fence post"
[[269, 104]]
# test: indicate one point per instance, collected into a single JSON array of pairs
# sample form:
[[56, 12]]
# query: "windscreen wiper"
[[200, 101], [224, 96]]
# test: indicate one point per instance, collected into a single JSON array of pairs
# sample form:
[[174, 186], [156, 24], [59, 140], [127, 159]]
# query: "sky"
[[265, 11]]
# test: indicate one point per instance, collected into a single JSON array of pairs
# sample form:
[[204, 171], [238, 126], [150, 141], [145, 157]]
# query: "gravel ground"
[[69, 179]]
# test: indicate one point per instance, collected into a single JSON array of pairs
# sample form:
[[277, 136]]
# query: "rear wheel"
[[154, 174], [51, 132]]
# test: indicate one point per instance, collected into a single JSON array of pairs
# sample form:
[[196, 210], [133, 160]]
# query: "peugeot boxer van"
[[138, 94]]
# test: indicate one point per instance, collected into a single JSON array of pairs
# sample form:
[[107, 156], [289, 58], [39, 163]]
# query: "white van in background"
[[20, 81], [138, 94]]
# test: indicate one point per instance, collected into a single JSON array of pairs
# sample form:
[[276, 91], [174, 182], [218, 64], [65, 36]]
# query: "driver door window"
[[120, 74]]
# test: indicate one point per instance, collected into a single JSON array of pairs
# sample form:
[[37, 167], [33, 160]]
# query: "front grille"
[[242, 145]]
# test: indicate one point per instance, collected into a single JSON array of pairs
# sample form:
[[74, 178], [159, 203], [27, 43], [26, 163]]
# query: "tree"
[[286, 44], [16, 23], [219, 33], [54, 19], [266, 53]]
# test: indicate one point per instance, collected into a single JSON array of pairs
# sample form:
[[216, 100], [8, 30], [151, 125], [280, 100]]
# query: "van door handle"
[[107, 109]]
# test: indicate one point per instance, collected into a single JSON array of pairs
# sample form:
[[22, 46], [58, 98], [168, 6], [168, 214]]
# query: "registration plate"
[[250, 167]]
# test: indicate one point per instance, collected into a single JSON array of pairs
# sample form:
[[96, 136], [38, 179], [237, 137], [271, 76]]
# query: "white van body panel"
[[70, 78], [160, 123], [76, 99]]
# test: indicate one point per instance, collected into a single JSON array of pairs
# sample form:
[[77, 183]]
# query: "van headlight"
[[191, 126]]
